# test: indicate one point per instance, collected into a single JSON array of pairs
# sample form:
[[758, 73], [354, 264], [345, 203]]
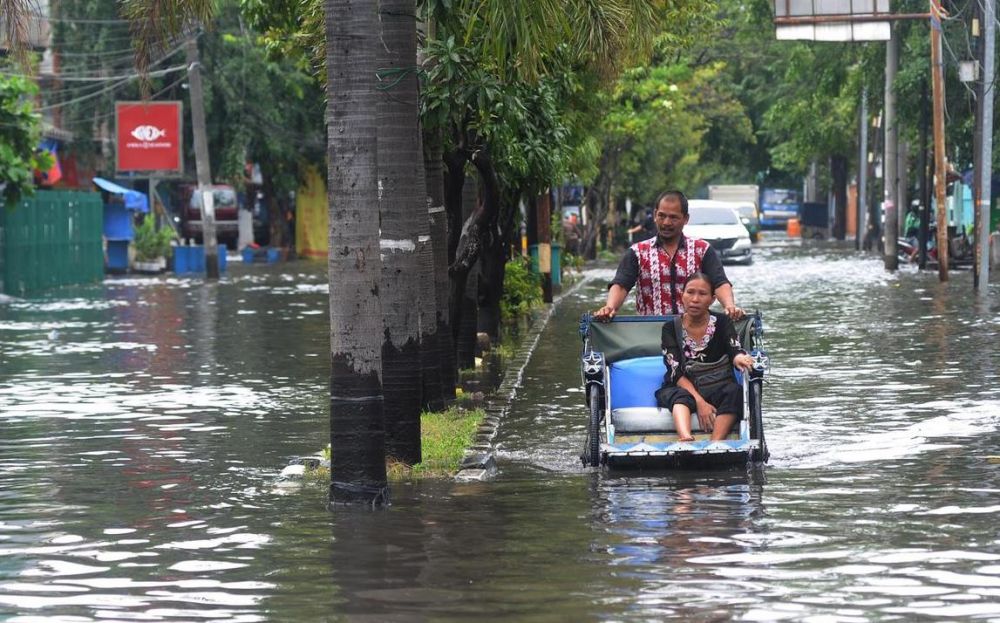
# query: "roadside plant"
[[151, 243], [522, 289], [20, 131]]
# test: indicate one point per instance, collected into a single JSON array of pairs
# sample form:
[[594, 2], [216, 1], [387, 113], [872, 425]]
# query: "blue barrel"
[[192, 259], [556, 264], [118, 255]]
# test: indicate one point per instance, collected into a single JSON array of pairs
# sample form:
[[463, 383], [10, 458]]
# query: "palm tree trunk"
[[357, 438], [402, 207], [444, 344]]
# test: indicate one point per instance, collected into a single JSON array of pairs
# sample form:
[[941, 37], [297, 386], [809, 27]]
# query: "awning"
[[134, 200]]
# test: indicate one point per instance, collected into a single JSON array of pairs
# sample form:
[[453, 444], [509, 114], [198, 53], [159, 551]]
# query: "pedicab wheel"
[[757, 424], [594, 431]]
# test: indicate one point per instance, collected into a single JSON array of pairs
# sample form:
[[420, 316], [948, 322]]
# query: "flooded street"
[[143, 423]]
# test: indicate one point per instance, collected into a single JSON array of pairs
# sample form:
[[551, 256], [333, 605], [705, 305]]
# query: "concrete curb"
[[479, 462]]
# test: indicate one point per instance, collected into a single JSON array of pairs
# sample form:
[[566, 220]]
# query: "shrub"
[[522, 289], [151, 243]]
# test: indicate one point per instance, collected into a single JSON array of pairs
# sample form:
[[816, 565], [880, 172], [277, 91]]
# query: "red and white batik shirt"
[[660, 277]]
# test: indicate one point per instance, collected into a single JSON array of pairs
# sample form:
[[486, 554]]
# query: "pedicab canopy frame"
[[622, 367]]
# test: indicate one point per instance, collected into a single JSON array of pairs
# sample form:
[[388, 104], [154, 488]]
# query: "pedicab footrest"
[[642, 449]]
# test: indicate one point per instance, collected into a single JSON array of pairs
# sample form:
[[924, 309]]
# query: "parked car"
[[720, 225], [750, 215], [748, 212], [226, 215]]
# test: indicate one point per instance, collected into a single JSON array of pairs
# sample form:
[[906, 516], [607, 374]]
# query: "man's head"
[[671, 215]]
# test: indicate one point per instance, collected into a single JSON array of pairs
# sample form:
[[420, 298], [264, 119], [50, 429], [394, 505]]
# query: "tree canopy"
[[20, 131]]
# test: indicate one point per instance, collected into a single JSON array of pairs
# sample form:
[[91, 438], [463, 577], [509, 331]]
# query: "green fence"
[[49, 240]]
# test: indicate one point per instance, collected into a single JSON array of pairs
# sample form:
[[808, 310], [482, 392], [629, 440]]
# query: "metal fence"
[[51, 239]]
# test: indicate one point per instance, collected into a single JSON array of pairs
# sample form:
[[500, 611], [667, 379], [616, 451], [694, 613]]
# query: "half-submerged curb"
[[479, 462]]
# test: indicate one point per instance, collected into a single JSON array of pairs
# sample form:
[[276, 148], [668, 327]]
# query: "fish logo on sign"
[[148, 133]]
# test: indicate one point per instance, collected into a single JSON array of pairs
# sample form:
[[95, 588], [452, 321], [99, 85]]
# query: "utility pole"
[[862, 170], [889, 168], [544, 220], [937, 86], [925, 178], [984, 109], [207, 204], [902, 177]]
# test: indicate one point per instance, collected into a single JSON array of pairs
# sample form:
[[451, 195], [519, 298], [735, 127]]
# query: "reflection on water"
[[144, 420]]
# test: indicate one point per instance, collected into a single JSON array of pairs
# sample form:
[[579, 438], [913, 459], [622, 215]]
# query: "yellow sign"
[[312, 218], [544, 258]]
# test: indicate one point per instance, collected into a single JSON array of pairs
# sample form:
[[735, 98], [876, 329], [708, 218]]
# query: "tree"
[[285, 138], [20, 130], [356, 427], [483, 64], [357, 437], [406, 270]]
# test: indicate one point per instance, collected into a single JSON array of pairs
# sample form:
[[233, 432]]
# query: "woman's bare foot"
[[687, 438]]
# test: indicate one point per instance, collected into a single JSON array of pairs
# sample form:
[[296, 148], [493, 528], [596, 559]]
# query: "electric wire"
[[114, 86], [79, 20]]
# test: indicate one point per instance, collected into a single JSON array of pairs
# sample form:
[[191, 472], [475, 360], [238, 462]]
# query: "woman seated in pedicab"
[[700, 349]]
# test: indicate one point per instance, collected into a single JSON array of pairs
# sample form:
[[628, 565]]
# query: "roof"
[[134, 200]]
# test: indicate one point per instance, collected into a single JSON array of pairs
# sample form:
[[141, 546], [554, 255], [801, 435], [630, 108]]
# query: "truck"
[[744, 199], [777, 205]]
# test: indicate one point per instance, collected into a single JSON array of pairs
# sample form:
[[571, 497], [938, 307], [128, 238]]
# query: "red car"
[[226, 215]]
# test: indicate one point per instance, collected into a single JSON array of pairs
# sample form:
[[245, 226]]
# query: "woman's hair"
[[699, 277]]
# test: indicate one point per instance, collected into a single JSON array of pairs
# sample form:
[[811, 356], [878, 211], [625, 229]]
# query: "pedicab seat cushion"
[[634, 382], [633, 401], [633, 397]]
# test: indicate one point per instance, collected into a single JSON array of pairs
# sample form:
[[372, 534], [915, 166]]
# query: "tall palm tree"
[[403, 210], [357, 437], [434, 174]]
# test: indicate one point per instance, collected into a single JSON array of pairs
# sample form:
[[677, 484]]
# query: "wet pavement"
[[143, 423]]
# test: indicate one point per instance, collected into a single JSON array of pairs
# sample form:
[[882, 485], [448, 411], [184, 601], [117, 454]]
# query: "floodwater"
[[143, 423]]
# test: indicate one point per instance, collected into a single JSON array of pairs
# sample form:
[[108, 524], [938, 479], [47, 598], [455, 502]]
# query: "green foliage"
[[20, 130], [607, 255], [151, 243], [444, 436], [97, 42], [259, 108], [521, 123], [814, 115], [572, 262], [522, 289]]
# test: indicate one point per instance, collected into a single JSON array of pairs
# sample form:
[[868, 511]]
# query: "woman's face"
[[697, 296]]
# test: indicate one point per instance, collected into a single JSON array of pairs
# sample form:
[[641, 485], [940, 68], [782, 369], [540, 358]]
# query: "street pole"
[[207, 205], [902, 177], [889, 169], [937, 86], [862, 170], [925, 177], [984, 187], [544, 220]]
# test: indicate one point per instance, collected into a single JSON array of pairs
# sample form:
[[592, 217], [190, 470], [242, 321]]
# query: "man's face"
[[669, 218]]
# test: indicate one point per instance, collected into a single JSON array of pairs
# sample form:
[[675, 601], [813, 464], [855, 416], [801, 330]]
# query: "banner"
[[311, 216], [149, 137], [54, 173]]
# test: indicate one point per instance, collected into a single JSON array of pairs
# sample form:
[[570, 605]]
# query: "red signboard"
[[149, 136]]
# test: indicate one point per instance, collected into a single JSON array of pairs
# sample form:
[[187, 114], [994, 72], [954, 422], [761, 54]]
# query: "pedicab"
[[622, 367]]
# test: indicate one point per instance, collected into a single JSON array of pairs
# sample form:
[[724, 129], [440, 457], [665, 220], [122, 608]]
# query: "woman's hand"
[[706, 415], [743, 362]]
